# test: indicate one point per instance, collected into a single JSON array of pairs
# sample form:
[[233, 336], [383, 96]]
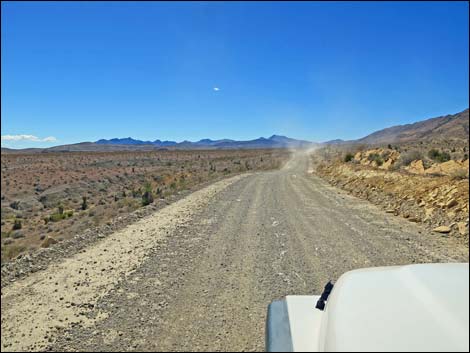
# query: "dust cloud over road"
[[199, 274]]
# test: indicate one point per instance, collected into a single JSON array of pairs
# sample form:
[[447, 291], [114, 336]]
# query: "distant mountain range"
[[275, 141], [449, 127], [130, 144]]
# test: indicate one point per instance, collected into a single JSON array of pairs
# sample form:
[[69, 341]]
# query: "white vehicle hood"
[[403, 308]]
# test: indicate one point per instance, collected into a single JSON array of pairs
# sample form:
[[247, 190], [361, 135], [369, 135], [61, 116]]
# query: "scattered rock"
[[17, 234], [416, 167], [462, 226], [48, 242], [451, 203], [447, 168], [442, 229], [428, 212]]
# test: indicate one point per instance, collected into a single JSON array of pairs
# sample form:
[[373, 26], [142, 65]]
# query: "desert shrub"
[[408, 157], [147, 196], [11, 251], [375, 157], [386, 155], [427, 163], [17, 224], [438, 156], [158, 178], [84, 203], [348, 157], [459, 174], [56, 217], [15, 205], [136, 193]]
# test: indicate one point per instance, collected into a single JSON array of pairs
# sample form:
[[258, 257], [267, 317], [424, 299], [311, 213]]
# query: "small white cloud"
[[216, 89], [50, 139], [31, 138]]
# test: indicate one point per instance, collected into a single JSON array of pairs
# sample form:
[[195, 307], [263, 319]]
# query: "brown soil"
[[36, 187]]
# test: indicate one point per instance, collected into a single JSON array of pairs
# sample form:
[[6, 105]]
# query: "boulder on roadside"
[[390, 156], [447, 168], [387, 164], [416, 167]]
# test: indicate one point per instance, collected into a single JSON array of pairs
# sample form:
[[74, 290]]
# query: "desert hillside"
[[449, 127], [418, 171]]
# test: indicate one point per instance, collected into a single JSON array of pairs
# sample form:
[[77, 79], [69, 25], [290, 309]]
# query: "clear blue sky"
[[318, 71]]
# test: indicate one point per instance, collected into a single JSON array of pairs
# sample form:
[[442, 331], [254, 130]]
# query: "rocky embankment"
[[436, 196]]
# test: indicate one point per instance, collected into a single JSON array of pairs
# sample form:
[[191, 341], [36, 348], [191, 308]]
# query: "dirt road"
[[199, 274]]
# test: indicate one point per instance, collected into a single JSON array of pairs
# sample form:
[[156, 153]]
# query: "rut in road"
[[207, 283]]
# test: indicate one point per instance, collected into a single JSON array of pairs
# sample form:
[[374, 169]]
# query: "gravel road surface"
[[199, 274]]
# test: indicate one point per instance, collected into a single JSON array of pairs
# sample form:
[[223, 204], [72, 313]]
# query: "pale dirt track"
[[199, 274]]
